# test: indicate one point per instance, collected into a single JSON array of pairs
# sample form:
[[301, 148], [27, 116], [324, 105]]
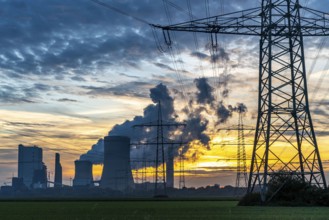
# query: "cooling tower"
[[83, 173], [116, 173], [170, 168]]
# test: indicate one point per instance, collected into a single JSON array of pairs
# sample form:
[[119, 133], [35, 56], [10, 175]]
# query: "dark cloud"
[[78, 78], [205, 91], [225, 92], [218, 168], [25, 124], [53, 37], [201, 56], [129, 76], [218, 55], [322, 133], [321, 112], [11, 95], [240, 108], [196, 126], [223, 113], [164, 66], [131, 89], [207, 104], [67, 100], [42, 87], [69, 135], [167, 78]]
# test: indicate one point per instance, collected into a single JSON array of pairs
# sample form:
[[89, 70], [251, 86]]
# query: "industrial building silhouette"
[[116, 174], [31, 168]]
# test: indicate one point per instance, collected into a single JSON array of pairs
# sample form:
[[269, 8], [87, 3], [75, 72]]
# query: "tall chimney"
[[170, 168], [58, 171]]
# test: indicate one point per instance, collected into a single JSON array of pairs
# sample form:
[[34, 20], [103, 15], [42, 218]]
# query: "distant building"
[[58, 171], [40, 178], [31, 168], [18, 184]]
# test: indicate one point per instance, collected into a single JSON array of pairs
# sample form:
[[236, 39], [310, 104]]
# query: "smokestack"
[[58, 171], [83, 173], [117, 170], [170, 168]]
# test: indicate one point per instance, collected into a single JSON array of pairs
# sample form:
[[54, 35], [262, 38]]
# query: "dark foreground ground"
[[62, 210]]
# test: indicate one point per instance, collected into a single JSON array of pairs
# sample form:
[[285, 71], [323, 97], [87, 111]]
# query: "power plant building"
[[18, 184], [58, 171], [83, 174], [117, 173], [31, 168], [40, 178]]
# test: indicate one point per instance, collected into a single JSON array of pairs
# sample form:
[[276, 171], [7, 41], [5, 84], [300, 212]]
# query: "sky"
[[71, 70]]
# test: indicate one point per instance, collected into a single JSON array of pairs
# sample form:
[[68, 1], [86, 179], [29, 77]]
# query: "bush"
[[289, 190], [250, 199]]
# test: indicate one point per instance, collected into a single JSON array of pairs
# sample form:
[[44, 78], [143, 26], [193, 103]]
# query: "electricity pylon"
[[284, 131], [241, 174], [160, 169], [241, 156]]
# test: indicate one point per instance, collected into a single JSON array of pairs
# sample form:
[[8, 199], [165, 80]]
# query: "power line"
[[195, 38], [108, 6], [188, 13], [321, 46], [320, 81], [173, 54]]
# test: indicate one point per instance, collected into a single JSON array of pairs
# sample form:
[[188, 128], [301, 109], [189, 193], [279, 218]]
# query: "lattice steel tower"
[[285, 140], [241, 173], [160, 171], [160, 188]]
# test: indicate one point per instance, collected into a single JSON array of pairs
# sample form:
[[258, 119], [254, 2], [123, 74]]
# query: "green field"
[[153, 210]]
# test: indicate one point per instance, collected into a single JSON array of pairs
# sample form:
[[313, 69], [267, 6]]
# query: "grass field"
[[153, 210]]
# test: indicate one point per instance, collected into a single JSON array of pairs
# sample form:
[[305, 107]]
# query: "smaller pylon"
[[160, 188], [241, 175]]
